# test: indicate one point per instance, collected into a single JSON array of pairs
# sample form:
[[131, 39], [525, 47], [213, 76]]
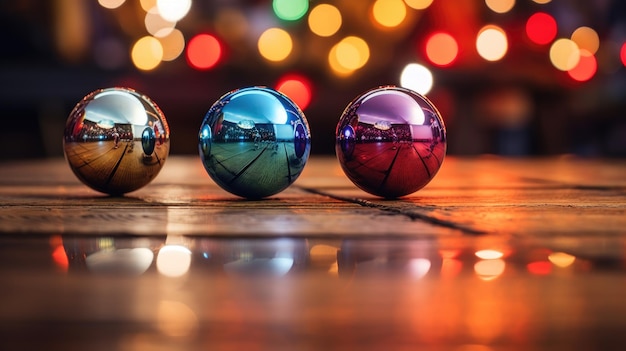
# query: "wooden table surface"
[[494, 254]]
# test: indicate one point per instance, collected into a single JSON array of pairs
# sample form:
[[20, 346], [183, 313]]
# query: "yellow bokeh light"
[[173, 45], [542, 1], [492, 43], [389, 13], [157, 25], [418, 4], [586, 38], [324, 20], [147, 53], [275, 44], [500, 6], [337, 68], [352, 52], [146, 5], [564, 54], [111, 4]]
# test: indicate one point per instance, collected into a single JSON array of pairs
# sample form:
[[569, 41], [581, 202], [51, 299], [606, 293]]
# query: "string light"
[[441, 49], [586, 38], [275, 44], [325, 20], [491, 43], [586, 67], [389, 13], [564, 54], [147, 53], [203, 51], [541, 28]]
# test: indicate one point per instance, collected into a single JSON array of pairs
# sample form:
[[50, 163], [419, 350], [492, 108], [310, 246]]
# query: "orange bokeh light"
[[586, 67], [203, 51], [297, 88], [442, 49]]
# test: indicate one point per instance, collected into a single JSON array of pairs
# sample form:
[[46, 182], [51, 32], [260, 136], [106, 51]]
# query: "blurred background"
[[510, 77]]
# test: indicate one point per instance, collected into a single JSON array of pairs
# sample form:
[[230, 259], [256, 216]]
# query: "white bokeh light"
[[173, 10], [417, 78]]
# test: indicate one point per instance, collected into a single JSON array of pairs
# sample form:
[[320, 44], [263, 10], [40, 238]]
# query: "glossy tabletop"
[[493, 254]]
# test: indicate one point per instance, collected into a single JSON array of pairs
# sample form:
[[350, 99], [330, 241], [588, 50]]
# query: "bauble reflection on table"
[[254, 142], [116, 140], [390, 141]]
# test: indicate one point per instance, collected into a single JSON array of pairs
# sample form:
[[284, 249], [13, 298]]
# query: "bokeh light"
[[348, 55], [324, 20], [441, 49], [489, 254], [146, 5], [500, 6], [542, 1], [297, 87], [564, 54], [203, 51], [586, 67], [561, 259], [587, 39], [622, 54], [111, 4], [290, 10], [173, 10], [417, 78], [389, 13], [275, 44], [492, 43], [173, 260], [147, 53], [541, 28], [173, 45], [418, 4], [156, 24]]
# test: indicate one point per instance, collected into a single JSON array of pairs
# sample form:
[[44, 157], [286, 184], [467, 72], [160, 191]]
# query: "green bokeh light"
[[290, 10]]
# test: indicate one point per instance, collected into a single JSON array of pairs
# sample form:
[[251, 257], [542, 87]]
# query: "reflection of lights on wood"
[[173, 260], [419, 267], [449, 253], [561, 259], [58, 253], [450, 267], [489, 254], [539, 267], [489, 269], [176, 319]]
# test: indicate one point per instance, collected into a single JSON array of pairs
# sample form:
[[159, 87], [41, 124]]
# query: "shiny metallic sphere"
[[254, 142], [116, 140], [390, 141]]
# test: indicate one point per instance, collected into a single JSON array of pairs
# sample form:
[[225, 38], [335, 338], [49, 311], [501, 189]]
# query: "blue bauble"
[[254, 142]]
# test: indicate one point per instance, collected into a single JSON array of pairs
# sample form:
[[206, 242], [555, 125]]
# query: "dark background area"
[[50, 58]]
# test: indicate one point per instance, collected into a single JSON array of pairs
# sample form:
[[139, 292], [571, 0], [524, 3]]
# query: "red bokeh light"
[[622, 54], [539, 267], [297, 87], [203, 51], [541, 28], [442, 49], [586, 67]]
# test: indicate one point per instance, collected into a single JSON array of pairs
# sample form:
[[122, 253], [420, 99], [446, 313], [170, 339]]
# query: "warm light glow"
[[441, 49], [564, 54], [203, 51], [500, 6], [542, 1], [58, 253], [176, 319], [539, 267], [156, 24], [173, 260], [275, 44], [419, 267], [146, 5], [586, 67], [451, 267], [491, 43], [417, 78], [290, 10], [561, 259], [622, 54], [541, 28], [173, 10], [489, 254], [587, 39], [489, 269], [348, 55], [173, 45], [111, 4], [147, 53], [418, 4], [389, 13], [324, 20], [297, 88]]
